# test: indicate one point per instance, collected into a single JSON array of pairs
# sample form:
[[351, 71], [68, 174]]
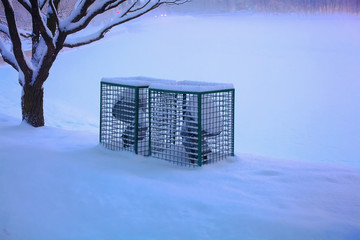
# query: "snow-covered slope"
[[297, 98], [62, 185]]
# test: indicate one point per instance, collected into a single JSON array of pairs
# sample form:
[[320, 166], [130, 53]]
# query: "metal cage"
[[191, 128], [124, 120]]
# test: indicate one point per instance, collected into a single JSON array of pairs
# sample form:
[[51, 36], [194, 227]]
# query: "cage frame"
[[199, 95], [136, 117]]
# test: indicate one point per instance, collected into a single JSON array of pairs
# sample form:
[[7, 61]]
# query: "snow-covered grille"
[[191, 128], [124, 117], [187, 123]]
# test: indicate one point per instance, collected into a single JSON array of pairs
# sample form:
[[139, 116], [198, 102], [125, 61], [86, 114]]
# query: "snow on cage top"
[[191, 86], [172, 85], [137, 81]]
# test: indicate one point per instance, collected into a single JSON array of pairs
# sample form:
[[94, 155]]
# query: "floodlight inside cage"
[[187, 123]]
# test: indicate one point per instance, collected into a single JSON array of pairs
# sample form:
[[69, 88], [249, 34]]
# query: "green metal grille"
[[124, 118], [191, 128], [183, 127]]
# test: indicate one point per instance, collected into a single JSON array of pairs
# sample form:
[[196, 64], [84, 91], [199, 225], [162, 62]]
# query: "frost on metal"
[[166, 120]]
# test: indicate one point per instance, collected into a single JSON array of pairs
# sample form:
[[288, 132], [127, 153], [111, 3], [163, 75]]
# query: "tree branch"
[[54, 9], [139, 8], [129, 9], [4, 29], [179, 2], [8, 56], [115, 4], [25, 34], [127, 15], [39, 21], [42, 3], [16, 41], [80, 11], [81, 21], [26, 4], [53, 18]]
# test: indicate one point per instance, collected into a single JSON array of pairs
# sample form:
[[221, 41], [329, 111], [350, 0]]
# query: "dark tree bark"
[[32, 102]]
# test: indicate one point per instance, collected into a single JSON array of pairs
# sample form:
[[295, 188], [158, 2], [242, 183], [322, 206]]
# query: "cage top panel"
[[137, 81], [192, 86]]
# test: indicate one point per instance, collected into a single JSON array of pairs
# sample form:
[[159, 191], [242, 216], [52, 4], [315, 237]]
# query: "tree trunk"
[[32, 105]]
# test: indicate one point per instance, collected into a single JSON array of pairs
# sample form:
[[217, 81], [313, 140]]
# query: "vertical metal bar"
[[184, 106], [233, 121], [136, 124], [199, 96], [149, 106], [175, 118], [101, 103]]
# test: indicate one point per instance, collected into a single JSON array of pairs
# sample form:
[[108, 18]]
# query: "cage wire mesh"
[[191, 128], [124, 120], [183, 127]]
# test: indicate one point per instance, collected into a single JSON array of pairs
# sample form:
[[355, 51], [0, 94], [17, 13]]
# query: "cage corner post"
[[101, 110], [149, 120], [233, 122], [136, 123], [199, 110]]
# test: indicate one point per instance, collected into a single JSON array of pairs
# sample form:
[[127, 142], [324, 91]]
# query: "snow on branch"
[[82, 21], [8, 56], [115, 4], [26, 4], [78, 13], [142, 7], [40, 19], [131, 12], [42, 3], [101, 33], [54, 11], [80, 41], [18, 62], [4, 29]]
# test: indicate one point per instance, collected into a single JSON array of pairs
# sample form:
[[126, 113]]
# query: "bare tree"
[[51, 30]]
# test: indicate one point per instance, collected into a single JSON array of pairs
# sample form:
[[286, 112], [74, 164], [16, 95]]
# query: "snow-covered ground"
[[297, 105]]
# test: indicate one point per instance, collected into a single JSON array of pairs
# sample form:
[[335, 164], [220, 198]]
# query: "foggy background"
[[275, 6]]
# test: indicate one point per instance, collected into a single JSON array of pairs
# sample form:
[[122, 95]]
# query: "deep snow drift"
[[297, 98]]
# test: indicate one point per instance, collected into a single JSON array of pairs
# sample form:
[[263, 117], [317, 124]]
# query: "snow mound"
[[58, 184]]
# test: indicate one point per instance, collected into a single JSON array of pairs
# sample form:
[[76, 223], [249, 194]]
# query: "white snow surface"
[[137, 81], [60, 184], [172, 85], [191, 86], [296, 171]]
